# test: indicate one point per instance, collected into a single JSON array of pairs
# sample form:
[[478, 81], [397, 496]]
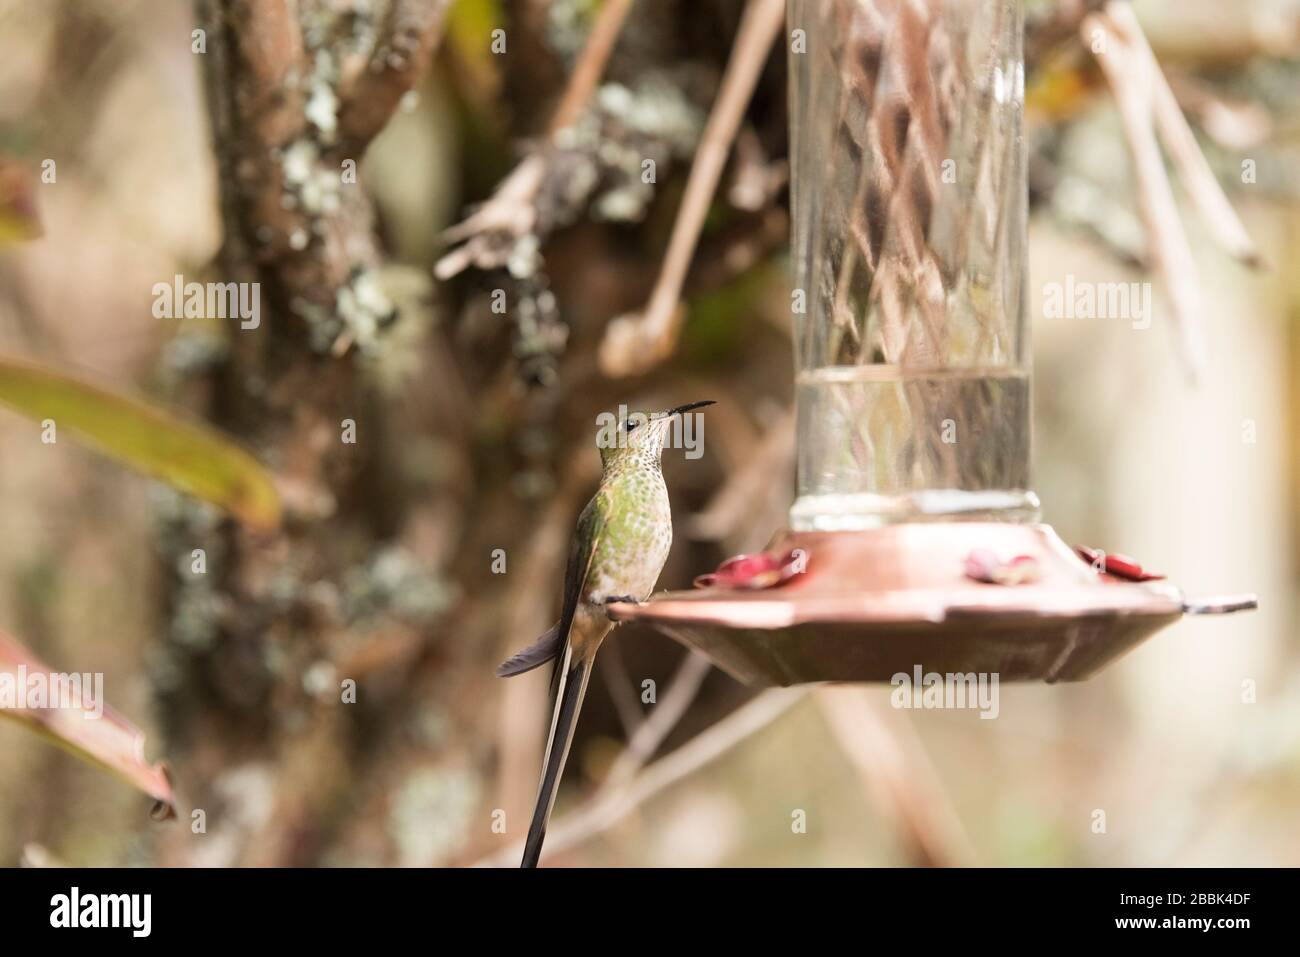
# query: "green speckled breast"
[[636, 535]]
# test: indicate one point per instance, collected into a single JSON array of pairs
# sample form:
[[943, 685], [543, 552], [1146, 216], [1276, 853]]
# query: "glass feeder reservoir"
[[909, 203]]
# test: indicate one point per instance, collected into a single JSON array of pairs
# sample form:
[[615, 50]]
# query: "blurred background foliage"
[[476, 434]]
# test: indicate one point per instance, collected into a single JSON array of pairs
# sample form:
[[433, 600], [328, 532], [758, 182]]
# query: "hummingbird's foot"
[[620, 599]]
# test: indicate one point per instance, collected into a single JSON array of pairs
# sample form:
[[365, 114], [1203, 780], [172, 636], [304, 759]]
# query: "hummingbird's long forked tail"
[[571, 688]]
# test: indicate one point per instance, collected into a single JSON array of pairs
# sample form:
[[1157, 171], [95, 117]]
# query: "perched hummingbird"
[[618, 551]]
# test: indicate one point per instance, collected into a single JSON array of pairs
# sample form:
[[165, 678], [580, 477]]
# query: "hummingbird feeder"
[[914, 538]]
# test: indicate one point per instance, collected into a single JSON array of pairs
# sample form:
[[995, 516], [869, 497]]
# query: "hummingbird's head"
[[639, 437]]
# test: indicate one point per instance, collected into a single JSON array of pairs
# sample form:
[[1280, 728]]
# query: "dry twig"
[[604, 810], [591, 64], [491, 231], [1180, 141], [896, 775], [650, 734], [1131, 77], [634, 343], [627, 704]]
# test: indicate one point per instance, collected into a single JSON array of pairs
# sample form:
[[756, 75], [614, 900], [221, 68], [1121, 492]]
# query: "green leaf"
[[186, 455], [78, 720]]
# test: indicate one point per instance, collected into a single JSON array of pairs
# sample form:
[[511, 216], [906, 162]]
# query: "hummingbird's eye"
[[632, 423]]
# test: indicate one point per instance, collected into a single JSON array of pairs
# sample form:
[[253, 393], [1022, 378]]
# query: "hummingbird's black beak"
[[691, 406]]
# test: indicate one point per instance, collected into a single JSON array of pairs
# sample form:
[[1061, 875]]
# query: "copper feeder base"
[[873, 604]]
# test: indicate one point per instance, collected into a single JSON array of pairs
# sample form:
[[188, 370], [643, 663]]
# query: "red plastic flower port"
[[763, 570], [1117, 566]]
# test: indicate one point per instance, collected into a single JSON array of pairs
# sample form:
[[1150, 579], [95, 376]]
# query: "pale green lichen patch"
[[430, 816], [392, 582], [364, 307]]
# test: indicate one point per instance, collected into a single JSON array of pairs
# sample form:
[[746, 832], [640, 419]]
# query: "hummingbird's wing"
[[535, 655], [586, 537]]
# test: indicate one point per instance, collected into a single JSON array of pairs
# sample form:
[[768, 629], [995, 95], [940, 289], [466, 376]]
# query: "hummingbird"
[[618, 550]]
